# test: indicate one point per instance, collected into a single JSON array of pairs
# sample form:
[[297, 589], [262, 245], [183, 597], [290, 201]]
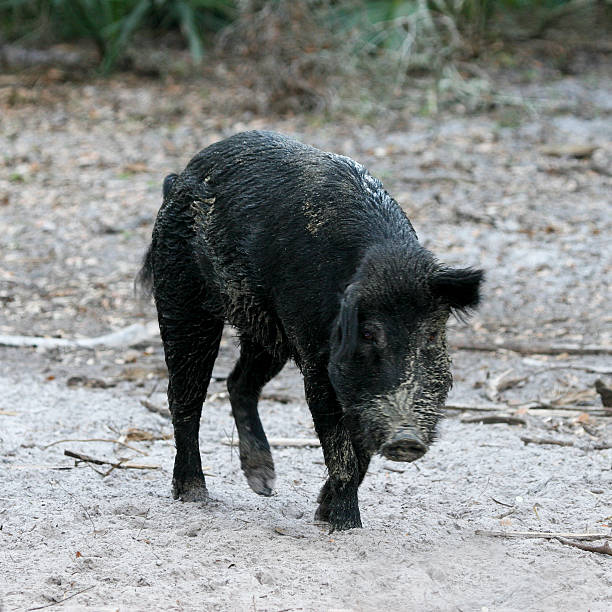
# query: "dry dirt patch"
[[80, 184]]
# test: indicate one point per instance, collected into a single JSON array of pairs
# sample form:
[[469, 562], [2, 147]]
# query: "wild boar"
[[310, 259]]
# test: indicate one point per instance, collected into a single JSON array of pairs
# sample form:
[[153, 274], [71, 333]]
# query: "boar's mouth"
[[404, 445]]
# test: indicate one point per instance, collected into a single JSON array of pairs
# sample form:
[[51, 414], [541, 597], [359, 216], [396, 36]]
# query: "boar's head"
[[389, 362]]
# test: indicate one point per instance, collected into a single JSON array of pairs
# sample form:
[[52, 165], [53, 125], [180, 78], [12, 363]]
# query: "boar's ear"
[[346, 327], [458, 287]]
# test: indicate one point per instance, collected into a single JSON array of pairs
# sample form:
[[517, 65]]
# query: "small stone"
[[264, 577], [131, 356]]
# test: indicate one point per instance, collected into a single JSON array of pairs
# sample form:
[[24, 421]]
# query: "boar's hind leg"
[[339, 504], [254, 369], [191, 341]]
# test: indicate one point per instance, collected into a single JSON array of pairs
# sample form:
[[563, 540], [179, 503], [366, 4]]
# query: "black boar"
[[310, 259]]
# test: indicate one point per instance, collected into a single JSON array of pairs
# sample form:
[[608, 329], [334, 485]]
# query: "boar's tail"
[[168, 183], [143, 283]]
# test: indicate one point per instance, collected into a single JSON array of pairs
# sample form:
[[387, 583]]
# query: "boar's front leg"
[[254, 369], [340, 507], [325, 496]]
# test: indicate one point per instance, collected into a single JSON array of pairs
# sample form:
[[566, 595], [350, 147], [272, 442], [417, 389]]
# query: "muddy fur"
[[309, 258]]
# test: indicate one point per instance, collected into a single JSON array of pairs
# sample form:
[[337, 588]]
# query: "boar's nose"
[[405, 445]]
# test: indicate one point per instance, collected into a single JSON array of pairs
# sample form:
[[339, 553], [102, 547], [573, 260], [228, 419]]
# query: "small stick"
[[539, 406], [151, 407], [490, 419], [568, 366], [390, 468], [279, 397], [8, 413], [120, 465], [476, 407], [95, 440], [529, 440], [503, 515], [431, 178], [601, 446], [543, 407], [144, 520], [541, 534], [604, 549], [528, 349], [55, 603], [80, 504], [34, 466], [289, 442], [128, 336]]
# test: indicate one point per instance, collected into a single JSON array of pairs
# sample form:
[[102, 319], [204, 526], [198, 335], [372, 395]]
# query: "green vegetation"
[[112, 24], [298, 54], [399, 25]]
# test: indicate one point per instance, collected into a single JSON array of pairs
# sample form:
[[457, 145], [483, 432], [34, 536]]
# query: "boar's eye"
[[368, 335], [432, 337], [372, 333]]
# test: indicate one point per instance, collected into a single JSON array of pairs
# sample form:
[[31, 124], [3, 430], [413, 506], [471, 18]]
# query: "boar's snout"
[[405, 445]]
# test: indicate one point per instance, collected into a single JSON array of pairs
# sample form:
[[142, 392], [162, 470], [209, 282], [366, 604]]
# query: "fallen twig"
[[595, 446], [128, 336], [530, 440], [93, 383], [95, 440], [78, 501], [140, 435], [565, 150], [536, 405], [567, 366], [8, 413], [279, 397], [282, 532], [553, 408], [604, 549], [36, 466], [601, 446], [276, 442], [431, 178], [541, 534], [476, 407], [390, 468], [503, 515], [114, 464], [489, 419], [151, 407], [530, 349], [501, 382], [55, 603]]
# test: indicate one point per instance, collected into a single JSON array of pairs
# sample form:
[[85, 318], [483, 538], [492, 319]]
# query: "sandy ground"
[[80, 179], [123, 538]]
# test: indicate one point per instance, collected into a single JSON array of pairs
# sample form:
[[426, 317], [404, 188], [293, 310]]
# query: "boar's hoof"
[[258, 468], [190, 490], [339, 518], [341, 521], [261, 480], [404, 446]]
